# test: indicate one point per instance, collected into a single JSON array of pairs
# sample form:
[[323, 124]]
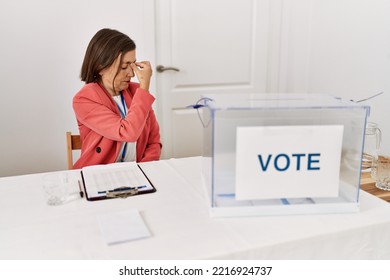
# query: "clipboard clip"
[[122, 192]]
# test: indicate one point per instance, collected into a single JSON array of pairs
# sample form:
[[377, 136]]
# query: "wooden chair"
[[73, 142]]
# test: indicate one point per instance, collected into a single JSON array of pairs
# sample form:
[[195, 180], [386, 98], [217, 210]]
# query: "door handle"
[[161, 68]]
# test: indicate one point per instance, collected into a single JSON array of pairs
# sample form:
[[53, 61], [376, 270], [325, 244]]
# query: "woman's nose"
[[131, 73]]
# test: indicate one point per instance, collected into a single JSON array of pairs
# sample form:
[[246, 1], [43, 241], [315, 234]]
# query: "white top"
[[131, 151]]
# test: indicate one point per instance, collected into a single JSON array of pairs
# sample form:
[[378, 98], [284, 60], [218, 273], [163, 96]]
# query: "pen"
[[122, 189], [81, 191]]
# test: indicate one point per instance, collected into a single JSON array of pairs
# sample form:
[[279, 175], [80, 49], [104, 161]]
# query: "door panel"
[[219, 47], [210, 45]]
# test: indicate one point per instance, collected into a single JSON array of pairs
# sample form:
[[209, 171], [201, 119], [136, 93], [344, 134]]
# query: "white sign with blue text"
[[288, 161]]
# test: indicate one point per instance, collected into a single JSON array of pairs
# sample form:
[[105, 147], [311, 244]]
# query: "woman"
[[114, 115]]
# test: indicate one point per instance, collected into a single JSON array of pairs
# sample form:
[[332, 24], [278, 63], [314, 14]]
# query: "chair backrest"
[[73, 142]]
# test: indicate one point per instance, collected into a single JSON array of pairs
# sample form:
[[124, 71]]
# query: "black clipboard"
[[112, 190]]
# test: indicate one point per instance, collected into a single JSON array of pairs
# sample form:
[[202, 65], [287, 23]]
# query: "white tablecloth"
[[178, 217]]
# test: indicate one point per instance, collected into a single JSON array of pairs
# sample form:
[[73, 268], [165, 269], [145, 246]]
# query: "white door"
[[216, 46]]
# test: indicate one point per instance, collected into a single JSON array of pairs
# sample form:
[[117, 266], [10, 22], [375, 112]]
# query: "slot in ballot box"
[[280, 154]]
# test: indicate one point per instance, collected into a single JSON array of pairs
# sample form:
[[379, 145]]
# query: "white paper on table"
[[122, 226]]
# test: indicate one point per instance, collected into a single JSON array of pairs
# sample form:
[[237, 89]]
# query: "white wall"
[[356, 64], [42, 47], [340, 47]]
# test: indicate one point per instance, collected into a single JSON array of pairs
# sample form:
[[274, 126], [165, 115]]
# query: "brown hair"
[[105, 46]]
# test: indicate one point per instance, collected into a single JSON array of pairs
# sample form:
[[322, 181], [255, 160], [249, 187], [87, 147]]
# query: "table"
[[178, 218], [368, 184]]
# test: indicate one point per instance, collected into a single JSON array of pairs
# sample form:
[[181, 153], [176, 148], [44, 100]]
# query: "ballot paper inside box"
[[280, 154]]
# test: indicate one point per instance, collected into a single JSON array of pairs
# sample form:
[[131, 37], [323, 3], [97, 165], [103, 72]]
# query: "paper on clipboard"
[[99, 180]]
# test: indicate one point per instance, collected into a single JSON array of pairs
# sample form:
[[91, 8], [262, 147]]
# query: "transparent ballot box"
[[280, 154]]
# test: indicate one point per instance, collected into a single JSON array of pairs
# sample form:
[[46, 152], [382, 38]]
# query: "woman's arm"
[[153, 145], [95, 110]]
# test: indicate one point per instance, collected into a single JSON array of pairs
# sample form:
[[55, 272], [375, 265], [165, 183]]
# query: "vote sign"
[[288, 161]]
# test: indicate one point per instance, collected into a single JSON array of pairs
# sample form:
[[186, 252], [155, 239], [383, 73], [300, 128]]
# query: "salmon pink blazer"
[[102, 129]]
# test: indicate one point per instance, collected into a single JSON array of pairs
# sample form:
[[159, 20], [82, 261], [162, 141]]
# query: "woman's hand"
[[144, 72]]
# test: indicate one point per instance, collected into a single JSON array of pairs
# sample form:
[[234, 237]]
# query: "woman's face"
[[124, 76]]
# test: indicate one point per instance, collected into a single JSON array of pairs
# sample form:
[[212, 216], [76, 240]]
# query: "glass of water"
[[383, 173], [56, 188]]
